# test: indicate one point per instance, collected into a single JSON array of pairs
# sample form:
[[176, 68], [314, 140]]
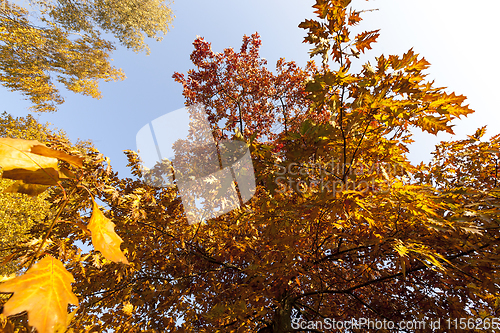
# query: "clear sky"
[[458, 39]]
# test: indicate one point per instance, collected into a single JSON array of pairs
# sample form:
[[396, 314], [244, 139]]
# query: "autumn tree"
[[342, 225], [239, 90], [60, 42]]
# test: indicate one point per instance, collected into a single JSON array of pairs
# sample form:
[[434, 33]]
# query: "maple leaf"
[[41, 149], [19, 163], [104, 237], [33, 162], [44, 292]]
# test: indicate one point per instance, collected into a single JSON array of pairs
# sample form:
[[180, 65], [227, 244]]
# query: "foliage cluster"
[[376, 237], [61, 43]]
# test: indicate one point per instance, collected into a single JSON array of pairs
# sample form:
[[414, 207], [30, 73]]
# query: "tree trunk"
[[282, 322]]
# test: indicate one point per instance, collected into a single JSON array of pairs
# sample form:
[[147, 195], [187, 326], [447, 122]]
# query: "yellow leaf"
[[128, 308], [43, 150], [33, 162], [19, 163], [104, 237], [4, 278], [44, 291]]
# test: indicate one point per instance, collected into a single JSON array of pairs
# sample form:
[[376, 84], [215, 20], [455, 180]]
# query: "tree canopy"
[[342, 226], [60, 43]]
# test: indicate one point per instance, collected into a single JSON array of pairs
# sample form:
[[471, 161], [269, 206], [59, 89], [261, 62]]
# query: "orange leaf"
[[44, 291], [365, 39], [433, 124], [104, 237]]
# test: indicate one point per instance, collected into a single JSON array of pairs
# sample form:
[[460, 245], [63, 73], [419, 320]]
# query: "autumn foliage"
[[52, 43], [342, 225], [238, 90]]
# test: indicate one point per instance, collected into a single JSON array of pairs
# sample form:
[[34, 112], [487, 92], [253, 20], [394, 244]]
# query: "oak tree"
[[342, 226]]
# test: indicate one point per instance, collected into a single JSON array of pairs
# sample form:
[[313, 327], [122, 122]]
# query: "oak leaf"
[[365, 39], [44, 291], [104, 237]]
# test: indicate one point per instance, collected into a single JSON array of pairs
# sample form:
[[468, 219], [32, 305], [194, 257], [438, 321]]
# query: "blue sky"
[[457, 38]]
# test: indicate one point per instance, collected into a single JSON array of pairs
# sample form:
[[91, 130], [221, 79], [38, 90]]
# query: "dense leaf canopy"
[[342, 225]]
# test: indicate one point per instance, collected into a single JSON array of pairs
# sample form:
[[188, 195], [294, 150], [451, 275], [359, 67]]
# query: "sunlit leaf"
[[19, 163], [33, 162], [365, 39], [43, 150], [44, 291], [104, 237]]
